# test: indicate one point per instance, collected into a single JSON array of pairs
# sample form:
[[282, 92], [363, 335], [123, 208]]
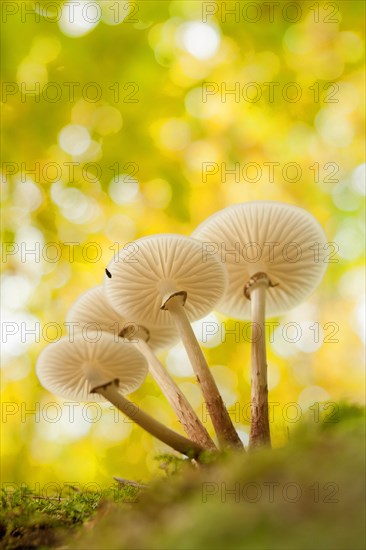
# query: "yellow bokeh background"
[[145, 117]]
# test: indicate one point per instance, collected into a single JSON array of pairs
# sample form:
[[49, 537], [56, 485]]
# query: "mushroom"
[[166, 281], [93, 309], [107, 369], [274, 255]]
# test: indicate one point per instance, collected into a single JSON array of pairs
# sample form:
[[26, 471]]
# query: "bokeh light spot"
[[274, 375], [15, 291], [311, 395], [209, 331], [344, 197], [177, 361], [199, 39], [124, 189], [352, 46], [197, 108], [311, 336], [107, 120], [359, 179], [296, 40], [74, 139], [351, 282], [360, 318], [334, 127], [27, 194], [13, 337], [79, 17], [350, 240], [32, 76], [174, 134]]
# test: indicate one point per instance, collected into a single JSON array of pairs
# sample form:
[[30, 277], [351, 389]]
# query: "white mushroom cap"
[[72, 369], [162, 265], [93, 309], [272, 228]]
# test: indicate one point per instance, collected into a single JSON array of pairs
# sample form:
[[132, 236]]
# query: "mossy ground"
[[30, 521], [307, 495]]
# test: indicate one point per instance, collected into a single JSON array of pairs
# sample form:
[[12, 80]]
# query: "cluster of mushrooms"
[[150, 298]]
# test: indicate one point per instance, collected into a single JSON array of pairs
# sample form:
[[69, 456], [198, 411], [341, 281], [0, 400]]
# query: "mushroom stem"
[[256, 290], [147, 422], [221, 420], [183, 409]]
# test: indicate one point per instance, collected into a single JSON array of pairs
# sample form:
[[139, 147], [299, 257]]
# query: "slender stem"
[[186, 415], [259, 428], [221, 420], [148, 423]]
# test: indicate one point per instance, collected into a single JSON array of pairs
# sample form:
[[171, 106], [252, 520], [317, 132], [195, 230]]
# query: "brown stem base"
[[259, 427], [220, 417], [148, 423], [255, 290], [184, 411]]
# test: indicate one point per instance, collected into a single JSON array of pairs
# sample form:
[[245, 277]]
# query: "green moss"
[[306, 495], [29, 520]]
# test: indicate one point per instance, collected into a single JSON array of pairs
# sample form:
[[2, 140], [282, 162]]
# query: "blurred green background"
[[131, 130]]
